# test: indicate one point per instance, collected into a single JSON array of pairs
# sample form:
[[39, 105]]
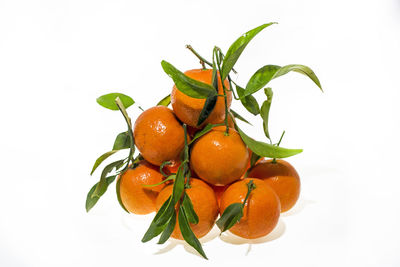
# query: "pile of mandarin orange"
[[195, 165]]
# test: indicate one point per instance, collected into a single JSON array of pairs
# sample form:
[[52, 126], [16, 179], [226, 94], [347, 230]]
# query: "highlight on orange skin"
[[282, 177], [204, 203], [219, 159], [188, 109], [261, 212], [136, 198]]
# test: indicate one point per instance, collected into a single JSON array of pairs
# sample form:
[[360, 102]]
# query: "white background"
[[56, 57]]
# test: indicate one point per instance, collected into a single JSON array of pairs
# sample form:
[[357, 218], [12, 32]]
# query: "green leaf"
[[236, 49], [108, 100], [187, 85], [237, 116], [266, 150], [249, 102], [118, 190], [168, 230], [179, 184], [254, 158], [265, 107], [165, 101], [122, 141], [155, 229], [207, 108], [189, 210], [188, 234], [91, 201], [101, 159], [231, 215], [102, 185], [265, 74], [204, 131]]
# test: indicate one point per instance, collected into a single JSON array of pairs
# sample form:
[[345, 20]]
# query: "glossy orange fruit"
[[261, 212], [188, 109], [136, 198], [282, 178], [219, 159], [159, 136], [204, 204]]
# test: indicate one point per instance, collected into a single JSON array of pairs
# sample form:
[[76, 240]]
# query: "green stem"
[[129, 123], [280, 139], [202, 59], [250, 187], [224, 89]]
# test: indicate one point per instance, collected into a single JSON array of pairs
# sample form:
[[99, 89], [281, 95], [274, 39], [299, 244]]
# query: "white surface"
[[56, 57]]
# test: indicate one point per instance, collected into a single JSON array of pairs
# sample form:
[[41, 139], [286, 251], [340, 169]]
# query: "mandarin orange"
[[219, 159], [261, 212], [159, 136], [136, 198], [188, 109], [282, 177]]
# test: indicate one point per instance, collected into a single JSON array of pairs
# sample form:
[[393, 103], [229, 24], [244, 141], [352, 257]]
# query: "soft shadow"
[[172, 243], [236, 240], [299, 207]]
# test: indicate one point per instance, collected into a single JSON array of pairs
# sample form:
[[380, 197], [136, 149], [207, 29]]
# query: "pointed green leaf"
[[179, 184], [108, 100], [188, 234], [165, 101], [265, 107], [118, 190], [101, 159], [122, 141], [249, 102], [207, 108], [168, 230], [239, 117], [265, 74], [236, 49], [189, 210], [187, 85], [231, 215], [91, 201], [267, 150], [154, 229], [102, 185]]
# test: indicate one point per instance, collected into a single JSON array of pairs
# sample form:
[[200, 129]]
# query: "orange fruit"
[[159, 136], [282, 178], [188, 109], [136, 198], [261, 212], [219, 159], [204, 204]]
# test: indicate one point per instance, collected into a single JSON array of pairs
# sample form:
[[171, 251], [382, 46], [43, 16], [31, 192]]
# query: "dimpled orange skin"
[[188, 109], [158, 134], [282, 178], [136, 198], [219, 190], [219, 159], [261, 212], [204, 204]]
